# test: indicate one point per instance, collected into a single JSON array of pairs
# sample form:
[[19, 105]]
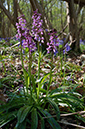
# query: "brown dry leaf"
[[18, 76], [33, 71], [84, 69], [81, 90], [64, 108], [3, 97], [6, 63], [54, 86]]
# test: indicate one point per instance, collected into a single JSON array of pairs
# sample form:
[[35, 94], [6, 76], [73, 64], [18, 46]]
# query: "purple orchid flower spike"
[[37, 30], [53, 43], [24, 33]]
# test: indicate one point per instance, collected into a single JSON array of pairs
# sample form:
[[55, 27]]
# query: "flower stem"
[[50, 79], [64, 67], [21, 56], [30, 63], [38, 71]]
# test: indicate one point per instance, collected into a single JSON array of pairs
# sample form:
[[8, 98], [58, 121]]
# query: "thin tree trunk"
[[82, 2], [15, 11], [0, 24], [7, 14], [73, 26], [3, 26], [9, 23], [61, 11]]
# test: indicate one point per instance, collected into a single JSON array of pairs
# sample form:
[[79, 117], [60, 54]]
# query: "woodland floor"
[[11, 71]]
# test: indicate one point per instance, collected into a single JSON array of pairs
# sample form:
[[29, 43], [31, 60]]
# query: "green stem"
[[61, 60], [21, 55], [64, 67], [50, 79], [30, 63], [39, 61], [38, 71], [4, 67]]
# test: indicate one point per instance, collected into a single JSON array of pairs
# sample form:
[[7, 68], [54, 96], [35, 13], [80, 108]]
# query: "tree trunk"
[[7, 14], [3, 26], [15, 11], [73, 26], [61, 11], [0, 24], [81, 2], [9, 23]]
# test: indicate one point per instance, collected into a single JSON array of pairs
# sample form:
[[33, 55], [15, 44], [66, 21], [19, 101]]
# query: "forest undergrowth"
[[49, 87]]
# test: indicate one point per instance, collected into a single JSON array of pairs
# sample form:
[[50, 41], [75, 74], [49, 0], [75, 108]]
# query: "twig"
[[63, 30], [72, 42], [15, 45], [69, 114], [83, 115], [66, 40], [64, 122]]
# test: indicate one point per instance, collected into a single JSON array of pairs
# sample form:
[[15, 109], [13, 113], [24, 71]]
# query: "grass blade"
[[34, 118]]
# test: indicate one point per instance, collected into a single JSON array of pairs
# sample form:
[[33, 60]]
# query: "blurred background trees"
[[56, 14]]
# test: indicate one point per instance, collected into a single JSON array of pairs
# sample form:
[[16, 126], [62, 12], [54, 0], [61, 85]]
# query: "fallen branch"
[[78, 126], [15, 45], [83, 115], [67, 123], [69, 114]]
